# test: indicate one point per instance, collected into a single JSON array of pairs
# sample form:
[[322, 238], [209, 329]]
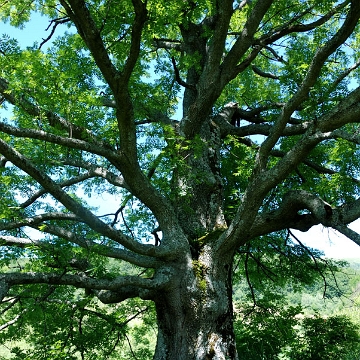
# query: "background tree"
[[266, 142]]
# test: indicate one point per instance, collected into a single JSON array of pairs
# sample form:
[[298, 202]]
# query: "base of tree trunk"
[[195, 318]]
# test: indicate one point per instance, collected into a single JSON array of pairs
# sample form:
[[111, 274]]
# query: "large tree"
[[266, 140]]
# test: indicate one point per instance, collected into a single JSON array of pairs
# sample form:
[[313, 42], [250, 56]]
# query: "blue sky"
[[35, 30], [332, 243]]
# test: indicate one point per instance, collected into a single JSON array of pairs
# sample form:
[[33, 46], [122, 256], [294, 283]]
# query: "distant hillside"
[[354, 263]]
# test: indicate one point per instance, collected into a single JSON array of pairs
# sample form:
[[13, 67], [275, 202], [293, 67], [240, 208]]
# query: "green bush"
[[271, 334], [332, 338]]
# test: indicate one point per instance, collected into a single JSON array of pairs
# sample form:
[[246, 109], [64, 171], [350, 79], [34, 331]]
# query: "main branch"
[[58, 193]]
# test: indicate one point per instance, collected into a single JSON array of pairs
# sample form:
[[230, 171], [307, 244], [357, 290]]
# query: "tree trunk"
[[195, 315]]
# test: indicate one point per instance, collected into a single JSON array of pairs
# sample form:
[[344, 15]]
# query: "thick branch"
[[54, 120], [118, 80], [4, 288], [98, 148], [105, 250], [288, 215], [347, 111], [351, 234], [314, 69], [343, 113], [58, 193], [141, 188], [216, 46], [342, 134], [216, 75], [79, 281], [230, 110], [244, 41], [197, 105], [21, 243], [114, 297], [139, 22]]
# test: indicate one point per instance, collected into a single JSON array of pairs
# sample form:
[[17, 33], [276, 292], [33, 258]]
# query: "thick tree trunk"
[[195, 315]]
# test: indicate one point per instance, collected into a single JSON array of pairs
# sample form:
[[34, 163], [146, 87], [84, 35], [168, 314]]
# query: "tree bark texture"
[[195, 315]]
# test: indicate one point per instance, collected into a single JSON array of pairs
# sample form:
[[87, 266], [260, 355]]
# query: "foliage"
[[277, 322], [154, 154], [328, 338], [281, 333], [65, 325]]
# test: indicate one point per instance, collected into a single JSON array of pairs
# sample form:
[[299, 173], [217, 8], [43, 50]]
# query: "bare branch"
[[263, 73], [294, 25], [55, 23], [168, 44], [178, 78], [351, 234], [94, 171], [39, 219]]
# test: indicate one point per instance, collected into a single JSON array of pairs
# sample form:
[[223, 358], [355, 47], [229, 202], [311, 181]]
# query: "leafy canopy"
[[144, 134]]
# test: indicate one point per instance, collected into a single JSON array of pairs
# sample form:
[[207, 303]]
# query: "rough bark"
[[195, 315], [197, 184]]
